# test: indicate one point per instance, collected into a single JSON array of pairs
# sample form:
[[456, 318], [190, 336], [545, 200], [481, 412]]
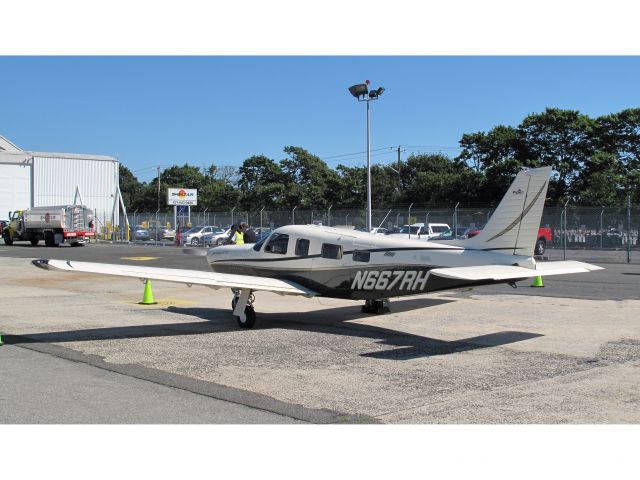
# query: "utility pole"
[[399, 178], [158, 167]]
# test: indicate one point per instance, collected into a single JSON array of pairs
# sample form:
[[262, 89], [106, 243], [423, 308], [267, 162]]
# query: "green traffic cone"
[[147, 296], [537, 282]]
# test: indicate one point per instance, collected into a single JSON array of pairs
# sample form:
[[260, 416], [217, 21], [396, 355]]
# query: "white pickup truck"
[[421, 231]]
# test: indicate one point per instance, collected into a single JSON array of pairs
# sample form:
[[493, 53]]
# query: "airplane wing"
[[509, 272], [189, 277]]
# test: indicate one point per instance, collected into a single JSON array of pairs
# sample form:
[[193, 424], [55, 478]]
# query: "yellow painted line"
[[142, 259]]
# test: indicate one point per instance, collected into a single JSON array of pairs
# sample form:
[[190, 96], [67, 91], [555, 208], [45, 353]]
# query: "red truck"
[[544, 236]]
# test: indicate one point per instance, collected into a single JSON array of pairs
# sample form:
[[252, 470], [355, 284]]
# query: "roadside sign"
[[182, 196]]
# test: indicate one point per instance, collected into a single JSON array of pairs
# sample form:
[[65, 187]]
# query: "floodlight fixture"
[[359, 90]]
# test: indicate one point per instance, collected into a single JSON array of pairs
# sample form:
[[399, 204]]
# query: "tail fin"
[[513, 227]]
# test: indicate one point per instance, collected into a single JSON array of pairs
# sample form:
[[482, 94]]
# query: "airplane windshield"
[[258, 245]]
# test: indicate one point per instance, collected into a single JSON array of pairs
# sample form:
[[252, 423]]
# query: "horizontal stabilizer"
[[189, 277], [510, 272]]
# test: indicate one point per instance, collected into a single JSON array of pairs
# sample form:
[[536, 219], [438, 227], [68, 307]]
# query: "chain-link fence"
[[595, 228]]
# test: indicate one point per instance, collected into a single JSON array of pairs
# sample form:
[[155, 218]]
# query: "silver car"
[[194, 236]]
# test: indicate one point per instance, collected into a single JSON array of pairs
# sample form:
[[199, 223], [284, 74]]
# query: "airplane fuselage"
[[354, 265]]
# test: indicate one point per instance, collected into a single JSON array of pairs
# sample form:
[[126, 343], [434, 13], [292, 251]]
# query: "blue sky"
[[201, 110]]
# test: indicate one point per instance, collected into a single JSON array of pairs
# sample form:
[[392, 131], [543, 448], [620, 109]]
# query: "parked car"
[[375, 230], [216, 237], [162, 233], [141, 234], [462, 234], [194, 235], [421, 231], [544, 236]]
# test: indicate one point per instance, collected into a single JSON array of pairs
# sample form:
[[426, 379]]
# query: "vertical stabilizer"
[[513, 227]]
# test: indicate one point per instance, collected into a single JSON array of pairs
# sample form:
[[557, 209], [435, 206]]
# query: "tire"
[[541, 246], [7, 238], [250, 321], [220, 242], [35, 241], [195, 242], [49, 239]]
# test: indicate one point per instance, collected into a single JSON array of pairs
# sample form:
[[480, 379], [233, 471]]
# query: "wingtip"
[[41, 263]]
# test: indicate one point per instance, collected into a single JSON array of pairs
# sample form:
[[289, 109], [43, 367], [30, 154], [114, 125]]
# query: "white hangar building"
[[35, 179]]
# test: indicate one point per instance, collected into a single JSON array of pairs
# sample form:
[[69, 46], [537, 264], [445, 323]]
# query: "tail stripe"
[[521, 216]]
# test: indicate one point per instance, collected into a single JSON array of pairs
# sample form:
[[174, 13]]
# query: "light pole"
[[363, 94]]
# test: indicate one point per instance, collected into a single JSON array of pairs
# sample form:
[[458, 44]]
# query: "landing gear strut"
[[375, 306], [242, 305]]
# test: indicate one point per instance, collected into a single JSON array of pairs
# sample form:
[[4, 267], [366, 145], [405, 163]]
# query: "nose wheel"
[[242, 307]]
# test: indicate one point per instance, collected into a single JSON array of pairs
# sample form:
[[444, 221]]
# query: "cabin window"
[[302, 247], [361, 255], [278, 243], [329, 250]]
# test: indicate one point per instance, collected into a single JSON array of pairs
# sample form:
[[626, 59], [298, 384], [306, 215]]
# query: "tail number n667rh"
[[390, 279]]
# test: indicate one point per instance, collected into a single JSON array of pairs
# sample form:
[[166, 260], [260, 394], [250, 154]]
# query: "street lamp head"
[[359, 90], [376, 93]]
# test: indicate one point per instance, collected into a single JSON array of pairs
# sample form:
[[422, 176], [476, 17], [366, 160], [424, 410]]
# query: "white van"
[[421, 231]]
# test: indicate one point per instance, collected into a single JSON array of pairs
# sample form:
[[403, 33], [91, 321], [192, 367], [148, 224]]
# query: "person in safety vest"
[[239, 238]]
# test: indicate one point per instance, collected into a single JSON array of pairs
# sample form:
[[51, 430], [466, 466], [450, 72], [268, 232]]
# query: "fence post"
[[564, 228], [409, 220], [455, 220], [628, 228], [329, 216], [601, 229], [293, 215]]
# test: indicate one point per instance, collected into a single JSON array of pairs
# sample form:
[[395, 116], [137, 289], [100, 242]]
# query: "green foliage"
[[596, 162]]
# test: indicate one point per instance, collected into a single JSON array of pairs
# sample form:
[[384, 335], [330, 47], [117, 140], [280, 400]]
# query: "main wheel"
[[7, 238], [541, 246], [250, 321], [35, 241]]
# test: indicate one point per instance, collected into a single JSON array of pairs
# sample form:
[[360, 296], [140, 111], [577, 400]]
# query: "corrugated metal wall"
[[55, 181], [15, 188]]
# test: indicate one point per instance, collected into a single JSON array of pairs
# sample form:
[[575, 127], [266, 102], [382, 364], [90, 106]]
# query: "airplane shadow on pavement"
[[335, 321]]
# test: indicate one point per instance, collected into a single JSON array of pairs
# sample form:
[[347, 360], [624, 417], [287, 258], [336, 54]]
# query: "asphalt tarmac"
[[565, 353]]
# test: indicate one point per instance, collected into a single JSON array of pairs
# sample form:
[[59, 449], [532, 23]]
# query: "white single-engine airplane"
[[317, 261]]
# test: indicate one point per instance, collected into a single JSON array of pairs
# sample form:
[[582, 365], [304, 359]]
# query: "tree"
[[499, 145], [438, 180], [132, 190], [260, 183], [562, 139], [601, 182], [306, 179]]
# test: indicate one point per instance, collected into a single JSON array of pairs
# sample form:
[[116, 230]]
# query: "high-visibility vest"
[[239, 238]]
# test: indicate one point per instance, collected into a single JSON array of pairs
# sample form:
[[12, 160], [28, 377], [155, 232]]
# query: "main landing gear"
[[242, 306], [376, 306]]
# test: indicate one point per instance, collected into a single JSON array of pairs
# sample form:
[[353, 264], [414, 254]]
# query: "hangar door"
[[15, 193]]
